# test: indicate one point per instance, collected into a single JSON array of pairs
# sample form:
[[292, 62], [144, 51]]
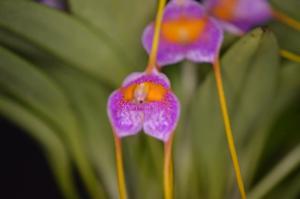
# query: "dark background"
[[24, 171]]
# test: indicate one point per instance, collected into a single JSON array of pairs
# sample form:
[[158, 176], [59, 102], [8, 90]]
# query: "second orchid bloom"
[[187, 33]]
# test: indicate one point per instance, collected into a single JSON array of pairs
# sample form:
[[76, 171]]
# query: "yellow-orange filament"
[[183, 30], [146, 91], [224, 9]]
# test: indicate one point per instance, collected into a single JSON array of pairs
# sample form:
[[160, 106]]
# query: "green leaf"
[[64, 37], [290, 7], [250, 72], [289, 188], [290, 162], [24, 81], [288, 38], [32, 88], [144, 165], [21, 46], [54, 148], [289, 88], [122, 21], [290, 82], [88, 100]]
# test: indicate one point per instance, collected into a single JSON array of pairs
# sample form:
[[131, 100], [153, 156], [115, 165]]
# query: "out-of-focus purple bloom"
[[187, 33], [144, 102], [239, 16], [59, 4]]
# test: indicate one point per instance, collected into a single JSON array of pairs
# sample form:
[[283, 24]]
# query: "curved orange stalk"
[[119, 165], [228, 130], [168, 169], [283, 18], [155, 42], [289, 55]]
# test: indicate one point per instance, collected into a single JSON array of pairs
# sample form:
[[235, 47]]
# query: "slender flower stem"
[[120, 171], [155, 42], [228, 129], [290, 56], [168, 169], [283, 18]]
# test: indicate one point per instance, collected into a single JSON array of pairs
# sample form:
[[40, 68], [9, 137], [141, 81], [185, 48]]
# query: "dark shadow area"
[[24, 171]]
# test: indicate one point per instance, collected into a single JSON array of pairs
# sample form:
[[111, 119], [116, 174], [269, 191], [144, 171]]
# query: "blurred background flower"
[[59, 4], [187, 33]]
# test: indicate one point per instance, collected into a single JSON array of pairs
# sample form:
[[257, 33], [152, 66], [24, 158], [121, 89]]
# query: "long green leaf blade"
[[64, 37], [34, 89], [240, 75], [122, 21]]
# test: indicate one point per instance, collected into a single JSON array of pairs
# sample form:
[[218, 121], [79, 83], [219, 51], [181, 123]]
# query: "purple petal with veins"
[[126, 118], [161, 117]]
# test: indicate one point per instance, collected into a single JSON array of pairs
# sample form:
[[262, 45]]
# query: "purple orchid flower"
[[144, 102], [59, 4], [187, 32], [239, 16]]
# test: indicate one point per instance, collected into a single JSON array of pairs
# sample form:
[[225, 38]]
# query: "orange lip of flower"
[[142, 92], [225, 9], [183, 30]]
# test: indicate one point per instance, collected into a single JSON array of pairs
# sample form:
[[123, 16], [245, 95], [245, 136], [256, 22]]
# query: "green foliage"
[[57, 70]]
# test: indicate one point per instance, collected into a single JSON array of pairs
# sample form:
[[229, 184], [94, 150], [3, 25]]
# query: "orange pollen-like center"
[[144, 92], [225, 9], [183, 30]]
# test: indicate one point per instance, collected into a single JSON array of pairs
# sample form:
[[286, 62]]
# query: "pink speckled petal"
[[206, 48], [168, 53], [126, 118], [161, 117]]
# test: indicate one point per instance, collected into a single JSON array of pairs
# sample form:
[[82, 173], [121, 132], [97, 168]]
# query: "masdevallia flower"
[[187, 32], [239, 16], [144, 102]]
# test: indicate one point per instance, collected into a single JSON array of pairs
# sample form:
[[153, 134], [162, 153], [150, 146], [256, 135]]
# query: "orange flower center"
[[183, 30], [145, 91], [225, 9]]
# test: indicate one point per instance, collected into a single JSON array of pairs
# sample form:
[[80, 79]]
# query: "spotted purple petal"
[[146, 102], [161, 117], [126, 118], [239, 16], [187, 33]]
